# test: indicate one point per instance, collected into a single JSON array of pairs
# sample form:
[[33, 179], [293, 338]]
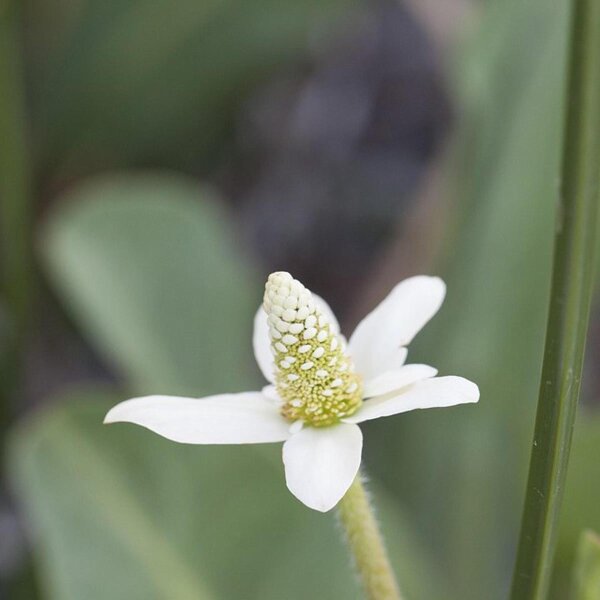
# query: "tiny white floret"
[[309, 333], [318, 353]]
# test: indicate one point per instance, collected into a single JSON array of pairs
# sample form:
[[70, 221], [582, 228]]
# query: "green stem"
[[366, 544], [572, 281], [15, 202]]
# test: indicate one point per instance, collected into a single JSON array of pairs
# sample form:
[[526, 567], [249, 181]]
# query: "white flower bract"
[[320, 386]]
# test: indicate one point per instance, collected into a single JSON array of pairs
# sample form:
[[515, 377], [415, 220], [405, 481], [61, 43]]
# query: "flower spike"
[[314, 376]]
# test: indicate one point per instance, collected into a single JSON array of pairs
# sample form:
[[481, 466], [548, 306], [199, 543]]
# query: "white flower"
[[320, 386]]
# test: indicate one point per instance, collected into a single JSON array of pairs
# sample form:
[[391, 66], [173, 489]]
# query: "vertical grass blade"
[[14, 169], [570, 298], [15, 206]]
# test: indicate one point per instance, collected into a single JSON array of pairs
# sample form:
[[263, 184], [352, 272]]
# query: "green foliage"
[[464, 474], [128, 81], [121, 513], [587, 573], [148, 267], [581, 506], [467, 490]]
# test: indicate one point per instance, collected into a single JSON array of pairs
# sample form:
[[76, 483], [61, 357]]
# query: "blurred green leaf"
[[6, 332], [148, 264], [587, 567], [581, 508], [119, 512], [582, 494], [136, 80], [465, 468]]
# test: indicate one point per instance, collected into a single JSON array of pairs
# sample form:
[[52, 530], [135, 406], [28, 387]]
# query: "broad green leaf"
[[149, 266], [150, 269], [119, 512], [587, 567]]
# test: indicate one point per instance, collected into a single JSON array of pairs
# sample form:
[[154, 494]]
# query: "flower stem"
[[366, 544], [572, 281]]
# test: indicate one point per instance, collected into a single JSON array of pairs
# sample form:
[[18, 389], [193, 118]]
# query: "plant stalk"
[[570, 299], [366, 544]]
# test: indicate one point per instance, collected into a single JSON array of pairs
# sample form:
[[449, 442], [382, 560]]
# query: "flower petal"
[[429, 393], [245, 418], [391, 381], [272, 395], [394, 360], [321, 463], [262, 345], [395, 322], [327, 312]]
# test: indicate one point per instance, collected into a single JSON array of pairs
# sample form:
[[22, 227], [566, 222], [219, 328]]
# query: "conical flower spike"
[[314, 376]]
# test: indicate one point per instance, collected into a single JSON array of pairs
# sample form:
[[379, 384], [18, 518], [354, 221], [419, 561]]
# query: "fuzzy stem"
[[570, 298], [366, 544]]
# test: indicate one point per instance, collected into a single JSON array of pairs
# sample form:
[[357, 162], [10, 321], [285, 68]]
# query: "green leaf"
[[137, 81], [581, 506], [582, 494], [149, 266], [119, 512], [71, 480], [587, 567], [464, 472]]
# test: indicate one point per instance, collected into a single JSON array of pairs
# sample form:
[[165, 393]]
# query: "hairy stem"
[[366, 544], [572, 282]]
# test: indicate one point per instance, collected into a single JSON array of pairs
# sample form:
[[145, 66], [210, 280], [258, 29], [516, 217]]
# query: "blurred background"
[[157, 160]]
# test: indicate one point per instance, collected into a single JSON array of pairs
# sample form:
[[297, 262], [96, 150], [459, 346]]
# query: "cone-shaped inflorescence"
[[314, 376]]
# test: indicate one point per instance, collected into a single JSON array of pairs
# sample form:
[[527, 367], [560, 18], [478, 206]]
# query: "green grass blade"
[[15, 206], [572, 282]]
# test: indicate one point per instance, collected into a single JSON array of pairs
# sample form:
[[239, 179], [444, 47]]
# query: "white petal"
[[296, 426], [395, 322], [321, 463], [262, 345], [392, 361], [327, 312], [245, 418], [391, 381], [272, 395], [429, 393]]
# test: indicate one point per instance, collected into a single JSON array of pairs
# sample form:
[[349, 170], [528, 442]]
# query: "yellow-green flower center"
[[314, 376]]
